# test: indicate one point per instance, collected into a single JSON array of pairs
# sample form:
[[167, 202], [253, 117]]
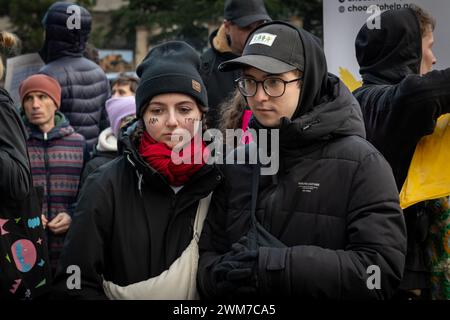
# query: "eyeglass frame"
[[262, 83]]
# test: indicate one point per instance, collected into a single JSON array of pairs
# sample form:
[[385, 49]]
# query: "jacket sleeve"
[[213, 242], [104, 119], [420, 101], [72, 206], [15, 175], [376, 237], [85, 243]]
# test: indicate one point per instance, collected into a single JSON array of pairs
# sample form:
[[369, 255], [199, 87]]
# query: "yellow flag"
[[349, 79], [429, 172]]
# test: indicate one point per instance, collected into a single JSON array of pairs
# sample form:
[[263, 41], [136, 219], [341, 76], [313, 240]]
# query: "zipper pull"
[[139, 183], [309, 125]]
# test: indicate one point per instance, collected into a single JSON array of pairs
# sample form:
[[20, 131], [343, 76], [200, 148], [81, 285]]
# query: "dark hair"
[[124, 79], [203, 110], [425, 19]]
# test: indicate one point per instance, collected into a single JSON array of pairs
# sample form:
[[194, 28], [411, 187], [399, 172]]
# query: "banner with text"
[[344, 18]]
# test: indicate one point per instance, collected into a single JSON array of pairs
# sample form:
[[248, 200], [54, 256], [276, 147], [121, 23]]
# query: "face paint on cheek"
[[190, 120], [153, 121]]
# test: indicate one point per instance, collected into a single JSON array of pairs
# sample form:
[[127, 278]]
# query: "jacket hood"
[[61, 129], [317, 85], [61, 41], [389, 54], [107, 141]]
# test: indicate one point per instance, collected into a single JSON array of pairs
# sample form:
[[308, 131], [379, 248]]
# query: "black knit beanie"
[[170, 67]]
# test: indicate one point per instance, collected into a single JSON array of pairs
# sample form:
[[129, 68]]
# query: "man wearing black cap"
[[240, 18], [328, 224]]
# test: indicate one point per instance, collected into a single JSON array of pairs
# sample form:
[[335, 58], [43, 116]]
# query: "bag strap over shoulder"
[[261, 237], [202, 211]]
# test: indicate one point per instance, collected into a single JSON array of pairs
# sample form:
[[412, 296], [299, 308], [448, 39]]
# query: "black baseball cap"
[[245, 12], [274, 47]]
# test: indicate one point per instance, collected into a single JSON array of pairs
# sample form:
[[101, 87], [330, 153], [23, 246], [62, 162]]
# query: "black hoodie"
[[333, 202], [399, 105]]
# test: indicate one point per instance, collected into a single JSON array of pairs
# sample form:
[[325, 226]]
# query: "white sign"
[[344, 18], [18, 69]]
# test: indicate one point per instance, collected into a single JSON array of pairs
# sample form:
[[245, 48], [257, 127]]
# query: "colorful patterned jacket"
[[57, 159]]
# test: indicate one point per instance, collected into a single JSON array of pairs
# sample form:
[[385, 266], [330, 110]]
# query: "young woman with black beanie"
[[139, 217]]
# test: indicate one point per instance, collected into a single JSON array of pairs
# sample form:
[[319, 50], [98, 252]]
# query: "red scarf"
[[158, 156]]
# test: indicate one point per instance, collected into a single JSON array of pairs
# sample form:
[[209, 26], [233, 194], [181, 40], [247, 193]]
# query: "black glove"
[[237, 270]]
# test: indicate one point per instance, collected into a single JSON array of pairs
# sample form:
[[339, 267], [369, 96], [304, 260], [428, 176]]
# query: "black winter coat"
[[129, 224], [333, 202], [24, 266], [15, 173], [399, 108], [84, 85]]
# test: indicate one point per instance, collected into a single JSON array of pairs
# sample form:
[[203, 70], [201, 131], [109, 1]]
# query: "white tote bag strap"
[[202, 211]]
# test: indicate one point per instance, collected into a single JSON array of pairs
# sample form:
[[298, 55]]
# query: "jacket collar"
[[219, 43], [61, 129]]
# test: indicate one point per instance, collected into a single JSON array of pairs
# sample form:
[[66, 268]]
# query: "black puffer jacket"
[[129, 224], [219, 85], [400, 107], [84, 85], [333, 202]]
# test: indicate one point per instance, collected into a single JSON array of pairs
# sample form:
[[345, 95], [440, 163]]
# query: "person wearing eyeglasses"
[[328, 224]]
